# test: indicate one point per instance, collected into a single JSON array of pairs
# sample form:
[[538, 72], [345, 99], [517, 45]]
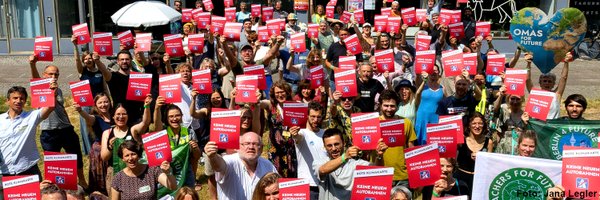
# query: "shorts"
[[65, 138]]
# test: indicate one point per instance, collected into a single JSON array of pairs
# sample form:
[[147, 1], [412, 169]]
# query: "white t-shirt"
[[554, 112], [186, 100], [235, 183], [309, 147]]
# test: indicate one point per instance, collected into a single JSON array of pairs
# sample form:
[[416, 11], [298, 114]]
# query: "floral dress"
[[282, 152]]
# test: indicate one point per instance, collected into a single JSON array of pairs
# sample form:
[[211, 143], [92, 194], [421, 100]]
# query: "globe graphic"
[[523, 185]]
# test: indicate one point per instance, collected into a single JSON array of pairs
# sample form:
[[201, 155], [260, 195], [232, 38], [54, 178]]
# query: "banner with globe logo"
[[554, 134]]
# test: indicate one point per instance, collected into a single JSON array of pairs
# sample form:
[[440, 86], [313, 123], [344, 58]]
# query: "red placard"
[[294, 189], [423, 165], [21, 187], [514, 81], [422, 42], [263, 33], [392, 132], [301, 5], [61, 169], [372, 182], [103, 43], [246, 88], [409, 15], [539, 103], [424, 61], [281, 23], [421, 15], [381, 23], [457, 30], [332, 3], [445, 137], [455, 16], [385, 60], [462, 1], [316, 76], [483, 28], [218, 24], [232, 31], [345, 18], [82, 93], [196, 43], [202, 19], [230, 14], [295, 114], [186, 15], [225, 127], [273, 27], [259, 71], [298, 43], [139, 86], [157, 147], [345, 82], [445, 17], [255, 10], [267, 14], [495, 64], [208, 5], [353, 45], [80, 31], [386, 11], [365, 130], [579, 171], [359, 16], [201, 80], [126, 39], [454, 119], [169, 87], [42, 48], [41, 94], [452, 62], [470, 63], [347, 62], [143, 41], [228, 3], [174, 45], [313, 31], [393, 24], [329, 11]]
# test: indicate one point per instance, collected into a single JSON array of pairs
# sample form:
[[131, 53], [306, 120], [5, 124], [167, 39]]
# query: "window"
[[25, 18], [2, 20], [68, 15]]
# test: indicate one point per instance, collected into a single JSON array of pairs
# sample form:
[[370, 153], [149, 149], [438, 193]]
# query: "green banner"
[[179, 167], [554, 134]]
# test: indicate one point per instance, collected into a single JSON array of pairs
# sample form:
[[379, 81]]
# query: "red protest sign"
[[392, 132], [218, 24], [495, 64], [445, 17], [82, 93], [232, 31], [143, 41], [186, 15], [483, 28], [347, 62], [423, 165], [126, 39], [386, 11], [332, 2], [313, 31], [228, 3], [365, 130], [329, 11], [201, 80], [295, 114], [41, 94], [421, 15], [445, 137], [139, 86], [353, 45], [281, 23], [385, 60], [61, 169], [345, 18], [294, 189], [454, 119], [225, 128], [455, 16], [372, 182], [393, 24], [80, 31], [452, 62], [196, 43], [42, 48], [208, 5], [169, 87], [174, 45], [316, 76], [346, 81], [246, 86], [255, 10], [103, 43], [298, 43], [424, 61], [539, 103], [380, 23], [580, 171], [422, 42], [267, 14], [21, 187], [470, 63], [259, 71], [202, 19], [230, 14], [457, 30], [409, 15], [157, 147], [301, 5], [359, 16], [514, 81], [273, 27], [263, 34]]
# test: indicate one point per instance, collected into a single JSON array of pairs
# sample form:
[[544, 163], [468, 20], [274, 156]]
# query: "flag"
[[554, 134], [179, 168]]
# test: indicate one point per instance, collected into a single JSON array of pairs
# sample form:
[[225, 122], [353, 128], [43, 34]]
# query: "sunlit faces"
[[334, 146], [323, 27], [385, 41], [51, 72], [174, 118], [130, 158], [399, 196], [87, 60], [430, 3], [186, 30], [315, 117], [306, 92], [246, 119], [280, 94], [479, 79], [526, 147], [366, 72], [405, 93], [272, 192], [547, 83], [574, 110], [103, 104], [447, 167], [462, 87], [120, 116], [250, 146], [247, 55], [124, 61], [388, 108], [16, 101], [216, 100], [476, 126], [347, 102], [343, 34], [186, 73]]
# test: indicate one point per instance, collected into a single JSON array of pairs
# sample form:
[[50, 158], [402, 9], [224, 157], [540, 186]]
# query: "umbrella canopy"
[[146, 13]]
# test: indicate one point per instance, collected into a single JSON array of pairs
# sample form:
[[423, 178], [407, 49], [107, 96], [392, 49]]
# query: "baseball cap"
[[367, 24]]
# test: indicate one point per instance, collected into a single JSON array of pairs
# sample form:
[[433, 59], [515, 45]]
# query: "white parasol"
[[145, 13]]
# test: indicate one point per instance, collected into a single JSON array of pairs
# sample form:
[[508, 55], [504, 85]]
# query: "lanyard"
[[513, 142]]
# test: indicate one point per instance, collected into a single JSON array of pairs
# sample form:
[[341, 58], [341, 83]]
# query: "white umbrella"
[[146, 13]]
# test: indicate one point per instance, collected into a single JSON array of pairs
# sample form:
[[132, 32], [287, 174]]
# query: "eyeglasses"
[[251, 144], [346, 98]]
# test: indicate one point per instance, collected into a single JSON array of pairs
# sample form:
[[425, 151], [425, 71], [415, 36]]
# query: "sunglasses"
[[346, 98]]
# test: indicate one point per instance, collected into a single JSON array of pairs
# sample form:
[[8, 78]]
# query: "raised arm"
[[89, 119], [167, 61], [106, 146], [216, 161], [140, 128], [419, 90], [273, 50], [562, 83], [498, 101], [158, 124], [45, 112], [333, 164], [34, 71], [528, 83], [515, 59], [166, 178], [489, 39], [230, 56], [101, 67], [78, 62]]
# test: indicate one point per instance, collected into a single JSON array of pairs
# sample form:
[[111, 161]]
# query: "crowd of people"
[[320, 151]]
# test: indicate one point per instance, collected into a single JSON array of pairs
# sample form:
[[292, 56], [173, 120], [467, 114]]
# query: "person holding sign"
[[336, 173], [368, 88], [463, 101], [548, 81], [267, 187], [432, 93], [409, 100], [575, 106], [475, 141], [325, 39], [339, 115], [448, 185], [243, 13], [509, 121], [237, 174], [136, 180]]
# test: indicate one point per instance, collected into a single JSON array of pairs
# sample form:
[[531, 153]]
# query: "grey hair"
[[402, 189], [549, 75], [79, 193]]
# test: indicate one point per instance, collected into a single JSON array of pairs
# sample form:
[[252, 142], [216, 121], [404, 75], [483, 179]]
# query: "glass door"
[[24, 24], [3, 27]]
